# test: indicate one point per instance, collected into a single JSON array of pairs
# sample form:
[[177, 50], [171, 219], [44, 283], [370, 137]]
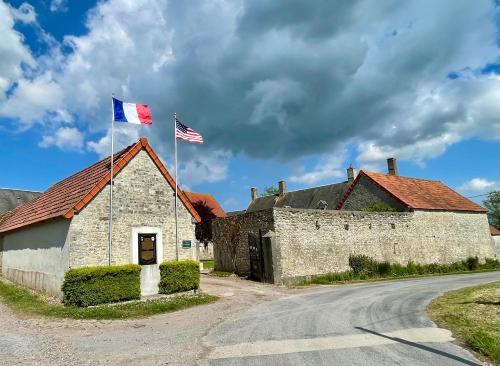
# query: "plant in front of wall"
[[179, 276], [379, 207]]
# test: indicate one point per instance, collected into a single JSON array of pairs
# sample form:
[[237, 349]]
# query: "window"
[[147, 248]]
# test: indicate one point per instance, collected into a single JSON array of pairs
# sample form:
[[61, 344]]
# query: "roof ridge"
[[402, 176], [305, 189], [18, 189]]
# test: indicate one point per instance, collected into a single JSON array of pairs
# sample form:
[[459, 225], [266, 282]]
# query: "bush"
[[362, 265], [384, 269], [177, 276], [90, 286], [472, 263], [380, 207]]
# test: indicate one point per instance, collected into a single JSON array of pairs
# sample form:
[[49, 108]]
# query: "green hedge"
[[177, 276], [365, 268], [89, 286]]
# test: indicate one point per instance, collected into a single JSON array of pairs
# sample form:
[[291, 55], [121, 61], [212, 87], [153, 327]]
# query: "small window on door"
[[147, 248]]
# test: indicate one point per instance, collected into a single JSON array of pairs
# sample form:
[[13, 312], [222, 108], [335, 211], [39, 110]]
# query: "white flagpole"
[[176, 184], [111, 183]]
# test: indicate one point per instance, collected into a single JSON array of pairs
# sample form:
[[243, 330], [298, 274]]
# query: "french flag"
[[131, 112]]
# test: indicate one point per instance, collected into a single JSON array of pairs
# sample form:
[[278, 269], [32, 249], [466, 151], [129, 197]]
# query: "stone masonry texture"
[[312, 242], [141, 197]]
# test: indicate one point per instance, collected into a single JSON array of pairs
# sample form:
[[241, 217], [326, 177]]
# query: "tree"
[[203, 229], [270, 191], [492, 203]]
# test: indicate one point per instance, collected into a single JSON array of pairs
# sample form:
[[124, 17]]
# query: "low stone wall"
[[230, 238], [312, 242]]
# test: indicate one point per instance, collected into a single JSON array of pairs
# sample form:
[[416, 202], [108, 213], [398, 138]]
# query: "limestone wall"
[[141, 198], [312, 242], [496, 243], [37, 256], [230, 238]]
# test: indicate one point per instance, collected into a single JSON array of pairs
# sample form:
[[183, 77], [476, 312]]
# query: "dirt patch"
[[167, 339]]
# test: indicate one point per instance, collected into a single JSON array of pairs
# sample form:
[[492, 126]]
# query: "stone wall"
[[141, 198], [366, 194], [230, 238], [312, 242], [496, 243], [37, 256]]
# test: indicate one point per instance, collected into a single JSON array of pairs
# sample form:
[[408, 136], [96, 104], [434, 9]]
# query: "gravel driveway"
[[168, 339]]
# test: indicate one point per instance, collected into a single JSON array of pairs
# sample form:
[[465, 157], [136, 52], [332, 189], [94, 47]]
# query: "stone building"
[[206, 201], [67, 226], [495, 236], [11, 198], [296, 235]]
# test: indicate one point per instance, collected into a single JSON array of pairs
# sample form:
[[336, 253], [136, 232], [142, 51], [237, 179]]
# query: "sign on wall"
[[186, 244]]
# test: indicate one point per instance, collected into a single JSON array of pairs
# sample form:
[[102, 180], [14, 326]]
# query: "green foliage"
[[26, 302], [221, 273], [207, 264], [90, 286], [365, 268], [380, 207], [177, 276], [492, 203], [203, 229], [363, 265], [270, 191]]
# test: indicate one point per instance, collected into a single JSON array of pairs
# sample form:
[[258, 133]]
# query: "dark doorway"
[[261, 262], [147, 249]]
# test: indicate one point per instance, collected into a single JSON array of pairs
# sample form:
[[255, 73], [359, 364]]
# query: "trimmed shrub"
[[88, 286], [177, 276], [384, 269], [362, 265]]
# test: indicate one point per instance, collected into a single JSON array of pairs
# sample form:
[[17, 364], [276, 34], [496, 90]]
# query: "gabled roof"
[[12, 198], [304, 198], [67, 197], [417, 193], [209, 200], [494, 231]]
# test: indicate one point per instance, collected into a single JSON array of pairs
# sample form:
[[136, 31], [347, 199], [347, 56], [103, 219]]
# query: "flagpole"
[[111, 183], [176, 184]]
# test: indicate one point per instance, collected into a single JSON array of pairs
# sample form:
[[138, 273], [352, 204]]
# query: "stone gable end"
[[141, 198]]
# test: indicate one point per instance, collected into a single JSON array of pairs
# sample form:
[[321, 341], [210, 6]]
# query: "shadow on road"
[[422, 347]]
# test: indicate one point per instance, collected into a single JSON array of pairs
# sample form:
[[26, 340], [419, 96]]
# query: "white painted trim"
[[135, 242]]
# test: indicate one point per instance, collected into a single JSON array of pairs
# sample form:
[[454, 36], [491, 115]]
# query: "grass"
[[473, 315], [364, 268], [207, 264], [350, 277], [25, 302], [221, 273]]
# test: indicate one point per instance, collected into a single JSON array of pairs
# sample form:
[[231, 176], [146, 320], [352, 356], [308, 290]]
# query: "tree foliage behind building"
[[492, 203], [203, 229]]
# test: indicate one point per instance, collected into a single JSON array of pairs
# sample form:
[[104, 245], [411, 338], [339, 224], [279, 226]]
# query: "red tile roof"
[[494, 231], [70, 195], [418, 193], [209, 200]]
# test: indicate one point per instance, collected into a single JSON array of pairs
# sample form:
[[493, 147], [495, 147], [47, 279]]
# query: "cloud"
[[65, 138], [274, 80], [25, 13], [58, 5], [478, 185], [328, 167]]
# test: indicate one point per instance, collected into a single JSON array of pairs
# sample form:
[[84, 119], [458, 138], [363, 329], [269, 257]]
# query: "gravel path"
[[168, 339]]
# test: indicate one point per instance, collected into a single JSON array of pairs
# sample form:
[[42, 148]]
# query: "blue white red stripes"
[[131, 113], [186, 133]]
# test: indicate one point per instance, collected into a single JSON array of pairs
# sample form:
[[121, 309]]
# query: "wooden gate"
[[261, 262]]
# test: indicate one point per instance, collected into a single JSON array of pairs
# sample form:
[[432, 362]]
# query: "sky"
[[280, 90]]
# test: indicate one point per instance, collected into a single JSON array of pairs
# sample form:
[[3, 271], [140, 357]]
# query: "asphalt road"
[[381, 323]]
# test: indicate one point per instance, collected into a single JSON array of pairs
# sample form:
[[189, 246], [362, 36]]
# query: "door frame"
[[135, 243]]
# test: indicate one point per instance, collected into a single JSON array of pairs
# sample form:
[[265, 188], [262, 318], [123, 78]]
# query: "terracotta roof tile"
[[494, 231], [209, 200], [70, 195], [419, 193]]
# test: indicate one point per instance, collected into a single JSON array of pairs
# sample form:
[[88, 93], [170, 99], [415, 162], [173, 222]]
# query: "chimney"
[[253, 193], [350, 174], [392, 166], [282, 188]]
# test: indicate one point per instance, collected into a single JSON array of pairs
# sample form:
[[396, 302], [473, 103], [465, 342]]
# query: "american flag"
[[186, 133]]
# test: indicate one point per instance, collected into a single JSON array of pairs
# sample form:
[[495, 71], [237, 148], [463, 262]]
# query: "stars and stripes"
[[186, 133]]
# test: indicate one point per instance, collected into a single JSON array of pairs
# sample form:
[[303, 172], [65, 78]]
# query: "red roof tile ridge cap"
[[402, 176]]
